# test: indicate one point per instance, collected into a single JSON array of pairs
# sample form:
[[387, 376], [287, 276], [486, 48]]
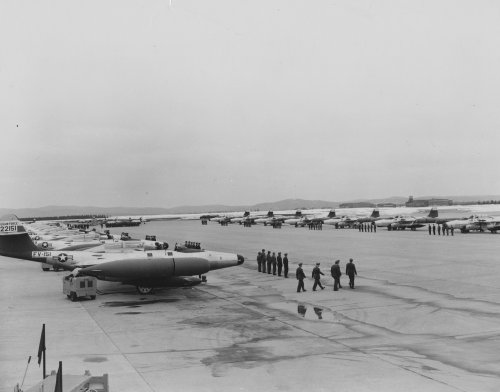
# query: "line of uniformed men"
[[445, 229], [271, 262]]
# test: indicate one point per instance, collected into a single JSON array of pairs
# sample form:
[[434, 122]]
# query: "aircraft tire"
[[144, 289]]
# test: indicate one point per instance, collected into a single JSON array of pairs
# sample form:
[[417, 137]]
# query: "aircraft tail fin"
[[375, 214], [247, 213], [331, 214], [433, 213], [15, 241]]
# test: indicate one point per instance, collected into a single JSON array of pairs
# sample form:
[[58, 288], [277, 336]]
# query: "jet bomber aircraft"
[[143, 269]]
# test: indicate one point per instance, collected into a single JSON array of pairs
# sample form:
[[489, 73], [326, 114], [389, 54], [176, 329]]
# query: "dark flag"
[[41, 346], [59, 386]]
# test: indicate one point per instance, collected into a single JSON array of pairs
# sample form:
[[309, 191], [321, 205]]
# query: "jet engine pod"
[[132, 269], [191, 266]]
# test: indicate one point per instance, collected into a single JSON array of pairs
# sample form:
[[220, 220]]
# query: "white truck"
[[78, 287]]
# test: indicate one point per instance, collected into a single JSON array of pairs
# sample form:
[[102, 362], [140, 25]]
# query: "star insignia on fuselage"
[[62, 257]]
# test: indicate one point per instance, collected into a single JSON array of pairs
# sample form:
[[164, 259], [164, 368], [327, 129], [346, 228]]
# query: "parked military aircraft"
[[278, 219], [240, 219], [264, 219], [402, 222], [113, 222], [375, 215], [308, 219], [475, 223], [145, 270]]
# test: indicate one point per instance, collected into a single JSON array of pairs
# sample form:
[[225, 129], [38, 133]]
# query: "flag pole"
[[41, 351], [25, 371], [44, 371]]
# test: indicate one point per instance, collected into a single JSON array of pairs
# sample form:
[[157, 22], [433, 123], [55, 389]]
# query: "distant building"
[[387, 205], [361, 204], [428, 202]]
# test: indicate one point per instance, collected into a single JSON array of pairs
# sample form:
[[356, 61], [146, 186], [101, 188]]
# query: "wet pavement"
[[425, 316]]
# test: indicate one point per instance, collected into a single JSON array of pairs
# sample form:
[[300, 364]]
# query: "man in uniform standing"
[[285, 265], [279, 260], [273, 260], [336, 274], [350, 270], [299, 274], [269, 261], [316, 274], [259, 261]]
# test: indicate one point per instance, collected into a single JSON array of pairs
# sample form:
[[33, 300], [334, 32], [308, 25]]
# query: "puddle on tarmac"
[[129, 313], [95, 359], [137, 304], [308, 312]]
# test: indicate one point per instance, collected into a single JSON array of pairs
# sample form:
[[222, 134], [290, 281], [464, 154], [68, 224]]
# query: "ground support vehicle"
[[78, 287]]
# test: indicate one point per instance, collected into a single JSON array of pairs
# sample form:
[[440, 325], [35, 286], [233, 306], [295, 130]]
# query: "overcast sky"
[[147, 103]]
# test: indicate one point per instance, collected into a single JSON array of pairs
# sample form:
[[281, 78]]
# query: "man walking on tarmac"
[[336, 275], [316, 274], [350, 270], [299, 274]]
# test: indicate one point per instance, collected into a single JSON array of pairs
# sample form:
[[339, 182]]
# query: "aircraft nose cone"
[[241, 259]]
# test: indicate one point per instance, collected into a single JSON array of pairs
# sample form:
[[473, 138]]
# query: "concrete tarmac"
[[425, 316]]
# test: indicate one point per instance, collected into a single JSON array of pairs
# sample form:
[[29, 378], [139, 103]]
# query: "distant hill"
[[287, 204]]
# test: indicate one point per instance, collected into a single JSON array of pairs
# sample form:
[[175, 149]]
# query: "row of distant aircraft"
[[399, 222], [144, 263]]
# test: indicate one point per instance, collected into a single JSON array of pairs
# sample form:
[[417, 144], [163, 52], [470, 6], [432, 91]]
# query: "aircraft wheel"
[[144, 289]]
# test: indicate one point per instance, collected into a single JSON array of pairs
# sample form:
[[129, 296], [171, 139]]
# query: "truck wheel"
[[46, 269], [92, 297], [144, 289], [72, 296]]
